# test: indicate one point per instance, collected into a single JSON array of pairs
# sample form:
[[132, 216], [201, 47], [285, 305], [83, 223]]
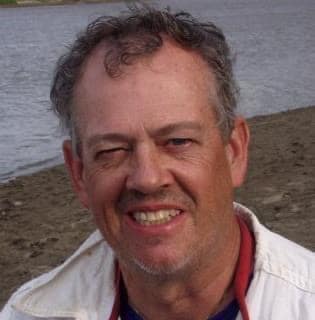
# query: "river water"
[[273, 40]]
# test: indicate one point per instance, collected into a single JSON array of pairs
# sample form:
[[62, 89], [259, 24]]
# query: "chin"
[[165, 268]]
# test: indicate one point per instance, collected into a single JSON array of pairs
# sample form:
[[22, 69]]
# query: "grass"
[[22, 3], [7, 2]]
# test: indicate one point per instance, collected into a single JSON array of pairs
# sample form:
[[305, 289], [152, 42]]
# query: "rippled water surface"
[[273, 40]]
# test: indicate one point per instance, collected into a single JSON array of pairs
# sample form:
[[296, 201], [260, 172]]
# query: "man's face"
[[154, 170]]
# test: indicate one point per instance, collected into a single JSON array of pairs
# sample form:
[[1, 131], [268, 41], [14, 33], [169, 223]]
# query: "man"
[[155, 153]]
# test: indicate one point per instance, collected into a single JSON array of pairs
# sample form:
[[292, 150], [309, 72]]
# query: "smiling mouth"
[[148, 218]]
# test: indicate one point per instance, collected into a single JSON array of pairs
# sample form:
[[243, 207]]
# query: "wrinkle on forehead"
[[170, 60]]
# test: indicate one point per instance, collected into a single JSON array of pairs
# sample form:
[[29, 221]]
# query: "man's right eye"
[[111, 152]]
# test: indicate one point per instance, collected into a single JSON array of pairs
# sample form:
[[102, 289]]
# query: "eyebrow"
[[113, 137], [160, 132], [170, 128]]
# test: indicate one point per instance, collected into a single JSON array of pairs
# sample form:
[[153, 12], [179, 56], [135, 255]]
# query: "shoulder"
[[283, 282], [279, 256], [36, 297]]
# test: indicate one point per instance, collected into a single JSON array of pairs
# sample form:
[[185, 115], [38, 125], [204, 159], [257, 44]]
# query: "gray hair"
[[136, 34]]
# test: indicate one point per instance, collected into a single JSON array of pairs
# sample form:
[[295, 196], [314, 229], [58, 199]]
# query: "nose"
[[149, 172]]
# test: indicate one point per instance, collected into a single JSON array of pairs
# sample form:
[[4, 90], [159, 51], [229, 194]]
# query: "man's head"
[[139, 34], [154, 167]]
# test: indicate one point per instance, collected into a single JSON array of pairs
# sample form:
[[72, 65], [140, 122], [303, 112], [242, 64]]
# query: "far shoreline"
[[42, 3]]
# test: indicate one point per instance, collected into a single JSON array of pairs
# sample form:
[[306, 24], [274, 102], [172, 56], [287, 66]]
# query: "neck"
[[196, 293]]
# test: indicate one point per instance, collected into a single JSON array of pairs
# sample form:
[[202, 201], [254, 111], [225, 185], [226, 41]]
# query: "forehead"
[[165, 85]]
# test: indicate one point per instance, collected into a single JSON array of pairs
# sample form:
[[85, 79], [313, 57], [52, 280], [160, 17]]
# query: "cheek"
[[102, 184], [208, 179], [202, 171], [103, 190]]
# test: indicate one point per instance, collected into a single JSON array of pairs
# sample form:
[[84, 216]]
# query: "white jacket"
[[82, 288]]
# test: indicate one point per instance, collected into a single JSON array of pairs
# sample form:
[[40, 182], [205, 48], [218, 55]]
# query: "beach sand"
[[41, 222]]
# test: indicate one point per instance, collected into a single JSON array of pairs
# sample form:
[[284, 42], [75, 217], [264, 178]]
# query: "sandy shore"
[[41, 222]]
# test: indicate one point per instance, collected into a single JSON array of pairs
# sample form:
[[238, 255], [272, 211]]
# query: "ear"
[[74, 167], [237, 151]]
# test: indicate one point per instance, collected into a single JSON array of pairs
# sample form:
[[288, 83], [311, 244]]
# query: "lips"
[[155, 217]]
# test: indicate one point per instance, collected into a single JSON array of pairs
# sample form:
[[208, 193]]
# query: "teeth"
[[155, 217]]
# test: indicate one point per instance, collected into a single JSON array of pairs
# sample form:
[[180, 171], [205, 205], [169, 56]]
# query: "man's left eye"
[[179, 141]]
